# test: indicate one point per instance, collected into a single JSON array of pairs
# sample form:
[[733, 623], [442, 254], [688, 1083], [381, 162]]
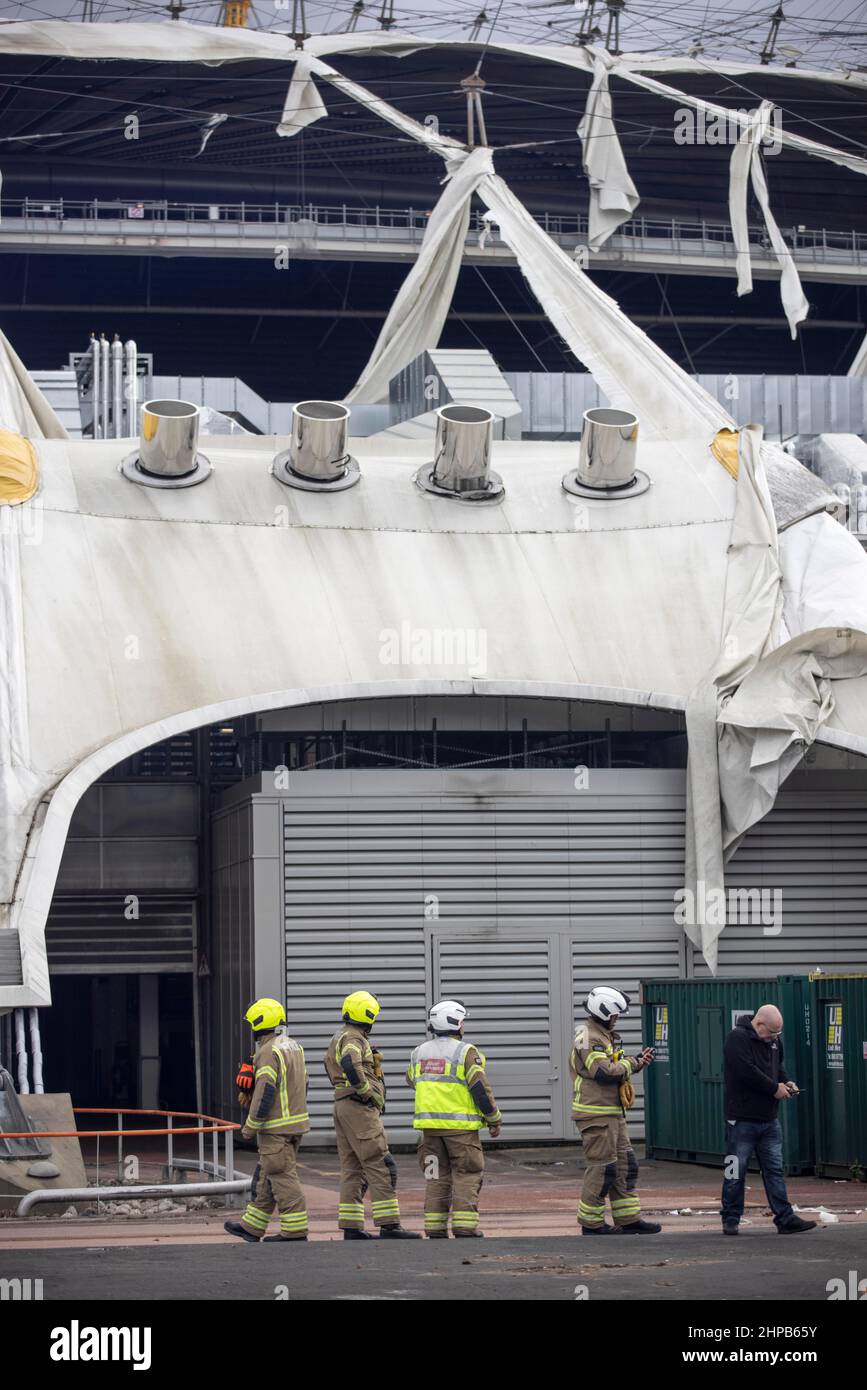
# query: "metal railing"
[[674, 236], [205, 1124]]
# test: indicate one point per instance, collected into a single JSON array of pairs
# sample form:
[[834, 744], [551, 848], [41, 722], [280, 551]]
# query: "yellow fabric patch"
[[725, 450], [19, 469]]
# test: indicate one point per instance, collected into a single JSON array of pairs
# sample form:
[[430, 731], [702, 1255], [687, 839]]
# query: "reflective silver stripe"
[[440, 1080], [446, 1115]]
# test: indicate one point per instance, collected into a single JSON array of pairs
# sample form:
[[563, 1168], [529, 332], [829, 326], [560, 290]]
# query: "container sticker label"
[[834, 1037], [660, 1031], [864, 1045]]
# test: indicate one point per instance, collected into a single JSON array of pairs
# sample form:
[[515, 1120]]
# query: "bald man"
[[755, 1083]]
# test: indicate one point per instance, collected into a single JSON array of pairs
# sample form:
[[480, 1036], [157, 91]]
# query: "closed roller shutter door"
[[412, 894], [509, 987], [814, 850]]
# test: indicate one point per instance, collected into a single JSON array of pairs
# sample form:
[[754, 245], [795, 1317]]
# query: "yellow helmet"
[[265, 1014], [360, 1007]]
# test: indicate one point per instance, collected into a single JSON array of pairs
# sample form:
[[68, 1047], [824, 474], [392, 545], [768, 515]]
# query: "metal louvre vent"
[[97, 936], [482, 898], [508, 987], [10, 958], [814, 850]]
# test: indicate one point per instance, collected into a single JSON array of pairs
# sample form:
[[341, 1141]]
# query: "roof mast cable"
[[299, 16], [612, 38], [478, 23], [768, 52], [357, 12], [386, 15]]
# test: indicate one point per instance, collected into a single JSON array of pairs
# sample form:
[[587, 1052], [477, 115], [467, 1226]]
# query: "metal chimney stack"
[[462, 461], [167, 454], [317, 459], [606, 461]]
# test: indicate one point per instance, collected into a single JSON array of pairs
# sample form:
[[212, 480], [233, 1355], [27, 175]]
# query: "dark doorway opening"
[[123, 1040]]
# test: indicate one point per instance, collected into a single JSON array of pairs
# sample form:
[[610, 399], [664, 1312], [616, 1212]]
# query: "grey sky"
[[814, 33]]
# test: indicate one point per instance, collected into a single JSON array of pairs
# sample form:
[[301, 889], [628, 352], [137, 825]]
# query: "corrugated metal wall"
[[813, 847], [105, 934], [516, 893], [554, 402], [534, 893]]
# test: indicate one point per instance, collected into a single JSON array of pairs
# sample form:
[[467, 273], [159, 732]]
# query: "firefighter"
[[602, 1093], [452, 1101], [355, 1071], [277, 1117]]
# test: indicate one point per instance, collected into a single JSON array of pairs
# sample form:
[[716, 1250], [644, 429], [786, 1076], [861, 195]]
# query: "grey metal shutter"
[[814, 849], [507, 874], [10, 958], [510, 988], [92, 936], [354, 913]]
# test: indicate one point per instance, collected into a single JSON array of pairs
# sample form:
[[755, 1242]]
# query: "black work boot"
[[353, 1234], [437, 1235], [236, 1229], [730, 1228], [284, 1240], [640, 1228], [397, 1233], [795, 1225], [602, 1230], [468, 1235]]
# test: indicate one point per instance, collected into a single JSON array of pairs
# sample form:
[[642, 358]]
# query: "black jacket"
[[753, 1071]]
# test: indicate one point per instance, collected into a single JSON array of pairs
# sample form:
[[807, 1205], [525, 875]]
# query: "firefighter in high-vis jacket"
[[452, 1101], [602, 1093], [355, 1071], [277, 1117]]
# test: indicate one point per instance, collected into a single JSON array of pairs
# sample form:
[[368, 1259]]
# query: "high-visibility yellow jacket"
[[451, 1089], [279, 1101], [598, 1068]]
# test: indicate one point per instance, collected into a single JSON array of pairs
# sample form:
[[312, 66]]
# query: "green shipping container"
[[840, 1074], [687, 1021]]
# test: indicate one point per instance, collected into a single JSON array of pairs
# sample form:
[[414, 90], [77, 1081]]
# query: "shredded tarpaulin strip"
[[613, 195], [303, 103], [208, 129], [746, 163]]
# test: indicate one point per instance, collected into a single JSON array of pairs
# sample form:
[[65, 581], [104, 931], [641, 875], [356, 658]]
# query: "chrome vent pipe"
[[317, 459], [462, 455], [167, 455], [606, 460]]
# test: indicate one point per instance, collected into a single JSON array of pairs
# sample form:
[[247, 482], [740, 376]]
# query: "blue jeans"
[[766, 1139]]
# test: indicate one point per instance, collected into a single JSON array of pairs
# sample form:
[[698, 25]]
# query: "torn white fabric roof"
[[746, 163], [23, 408], [303, 103], [751, 612], [613, 195], [178, 41], [418, 314], [627, 366]]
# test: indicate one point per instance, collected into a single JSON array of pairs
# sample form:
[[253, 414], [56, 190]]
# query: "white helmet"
[[605, 1003], [447, 1016]]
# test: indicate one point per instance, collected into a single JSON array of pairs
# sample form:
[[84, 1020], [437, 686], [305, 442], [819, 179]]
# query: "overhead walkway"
[[341, 232]]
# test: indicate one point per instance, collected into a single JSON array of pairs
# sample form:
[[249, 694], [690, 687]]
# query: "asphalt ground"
[[692, 1266]]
